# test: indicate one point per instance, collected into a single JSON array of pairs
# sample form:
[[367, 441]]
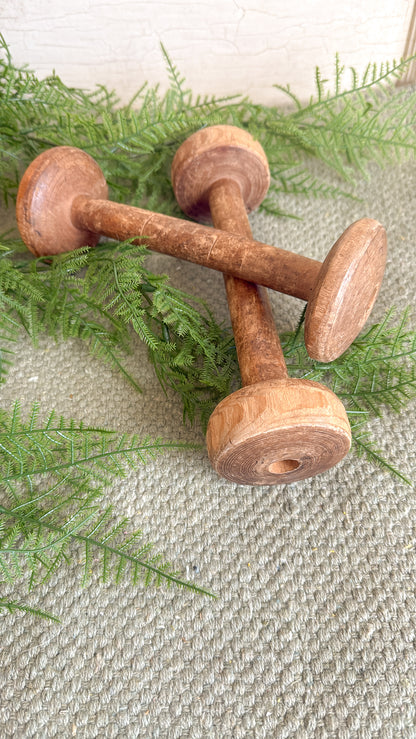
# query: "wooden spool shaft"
[[232, 253], [259, 351], [62, 205], [275, 429]]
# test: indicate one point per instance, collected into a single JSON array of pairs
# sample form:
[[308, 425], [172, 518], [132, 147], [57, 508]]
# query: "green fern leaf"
[[12, 606]]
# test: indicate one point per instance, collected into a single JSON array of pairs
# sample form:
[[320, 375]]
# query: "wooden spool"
[[274, 430], [62, 204]]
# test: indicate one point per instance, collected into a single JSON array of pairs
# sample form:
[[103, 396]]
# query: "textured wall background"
[[222, 47]]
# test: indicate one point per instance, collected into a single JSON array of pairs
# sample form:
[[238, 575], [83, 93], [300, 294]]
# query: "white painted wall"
[[221, 46]]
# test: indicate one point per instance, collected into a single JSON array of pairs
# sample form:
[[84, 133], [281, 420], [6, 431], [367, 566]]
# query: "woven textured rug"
[[312, 633]]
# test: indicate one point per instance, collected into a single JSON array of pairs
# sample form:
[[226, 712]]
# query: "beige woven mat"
[[313, 630]]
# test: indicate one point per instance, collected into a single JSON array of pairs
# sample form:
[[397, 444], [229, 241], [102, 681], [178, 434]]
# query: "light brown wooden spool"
[[274, 430], [62, 205]]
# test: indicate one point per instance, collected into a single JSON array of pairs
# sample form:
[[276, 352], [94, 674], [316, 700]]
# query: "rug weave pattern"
[[312, 633]]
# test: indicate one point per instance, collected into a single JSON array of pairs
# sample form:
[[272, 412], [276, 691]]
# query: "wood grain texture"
[[45, 198], [346, 290], [260, 355], [62, 205], [225, 149], [278, 432], [274, 430], [278, 269]]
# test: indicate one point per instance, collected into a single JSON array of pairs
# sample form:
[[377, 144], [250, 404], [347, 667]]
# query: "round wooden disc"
[[45, 197], [216, 153], [347, 287], [277, 432]]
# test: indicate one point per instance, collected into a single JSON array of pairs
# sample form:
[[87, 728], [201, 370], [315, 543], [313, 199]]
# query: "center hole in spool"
[[284, 465]]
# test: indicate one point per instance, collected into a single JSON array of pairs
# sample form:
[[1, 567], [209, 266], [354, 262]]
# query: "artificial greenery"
[[54, 473], [376, 373], [348, 124], [98, 294]]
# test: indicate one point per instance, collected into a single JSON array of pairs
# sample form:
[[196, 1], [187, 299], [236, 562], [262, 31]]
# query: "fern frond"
[[113, 294], [364, 446], [190, 351], [177, 81], [379, 370], [12, 606], [346, 125], [9, 331], [365, 122], [376, 79], [44, 543], [298, 181], [376, 373], [27, 450], [52, 472]]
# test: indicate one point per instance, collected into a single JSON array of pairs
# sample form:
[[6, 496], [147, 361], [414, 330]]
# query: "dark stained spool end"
[[346, 290], [213, 154], [46, 195]]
